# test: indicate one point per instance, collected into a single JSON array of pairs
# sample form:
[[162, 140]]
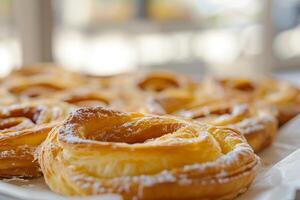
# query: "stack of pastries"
[[154, 135]]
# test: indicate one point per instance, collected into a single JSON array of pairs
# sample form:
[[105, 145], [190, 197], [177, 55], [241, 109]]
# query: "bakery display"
[[22, 128], [144, 135], [140, 156]]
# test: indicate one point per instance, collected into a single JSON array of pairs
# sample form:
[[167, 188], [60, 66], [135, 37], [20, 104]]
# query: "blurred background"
[[113, 36]]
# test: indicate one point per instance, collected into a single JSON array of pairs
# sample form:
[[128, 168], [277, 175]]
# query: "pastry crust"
[[84, 97], [160, 81], [256, 121], [38, 82], [284, 96], [36, 88], [43, 71], [23, 127], [140, 156]]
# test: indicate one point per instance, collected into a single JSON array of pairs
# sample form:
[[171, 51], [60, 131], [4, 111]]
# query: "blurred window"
[[10, 55], [286, 16], [85, 39], [111, 36]]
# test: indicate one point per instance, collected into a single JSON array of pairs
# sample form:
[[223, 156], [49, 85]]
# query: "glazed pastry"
[[150, 82], [161, 81], [35, 88], [258, 123], [84, 97], [168, 102], [6, 98], [147, 84], [284, 96], [141, 156], [41, 81], [167, 91], [22, 128], [43, 71]]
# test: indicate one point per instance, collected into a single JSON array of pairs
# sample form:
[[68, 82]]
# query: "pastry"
[[37, 88], [284, 96], [162, 80], [84, 97], [41, 81], [256, 121], [43, 71], [143, 156], [22, 128]]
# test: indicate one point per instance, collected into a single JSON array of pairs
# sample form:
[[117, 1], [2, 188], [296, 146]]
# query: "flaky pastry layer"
[[22, 128], [284, 96], [143, 156]]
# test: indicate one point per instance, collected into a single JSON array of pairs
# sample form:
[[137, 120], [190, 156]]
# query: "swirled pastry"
[[22, 128], [43, 71], [6, 98], [149, 82], [168, 102], [256, 121], [284, 96], [161, 81], [139, 156], [84, 97], [41, 81], [37, 87]]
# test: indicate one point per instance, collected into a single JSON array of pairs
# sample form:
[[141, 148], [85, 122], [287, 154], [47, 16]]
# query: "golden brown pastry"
[[167, 92], [43, 71], [87, 97], [41, 81], [84, 97], [147, 82], [6, 98], [107, 82], [22, 128], [36, 88], [284, 96], [161, 80], [139, 156], [256, 121], [168, 102]]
